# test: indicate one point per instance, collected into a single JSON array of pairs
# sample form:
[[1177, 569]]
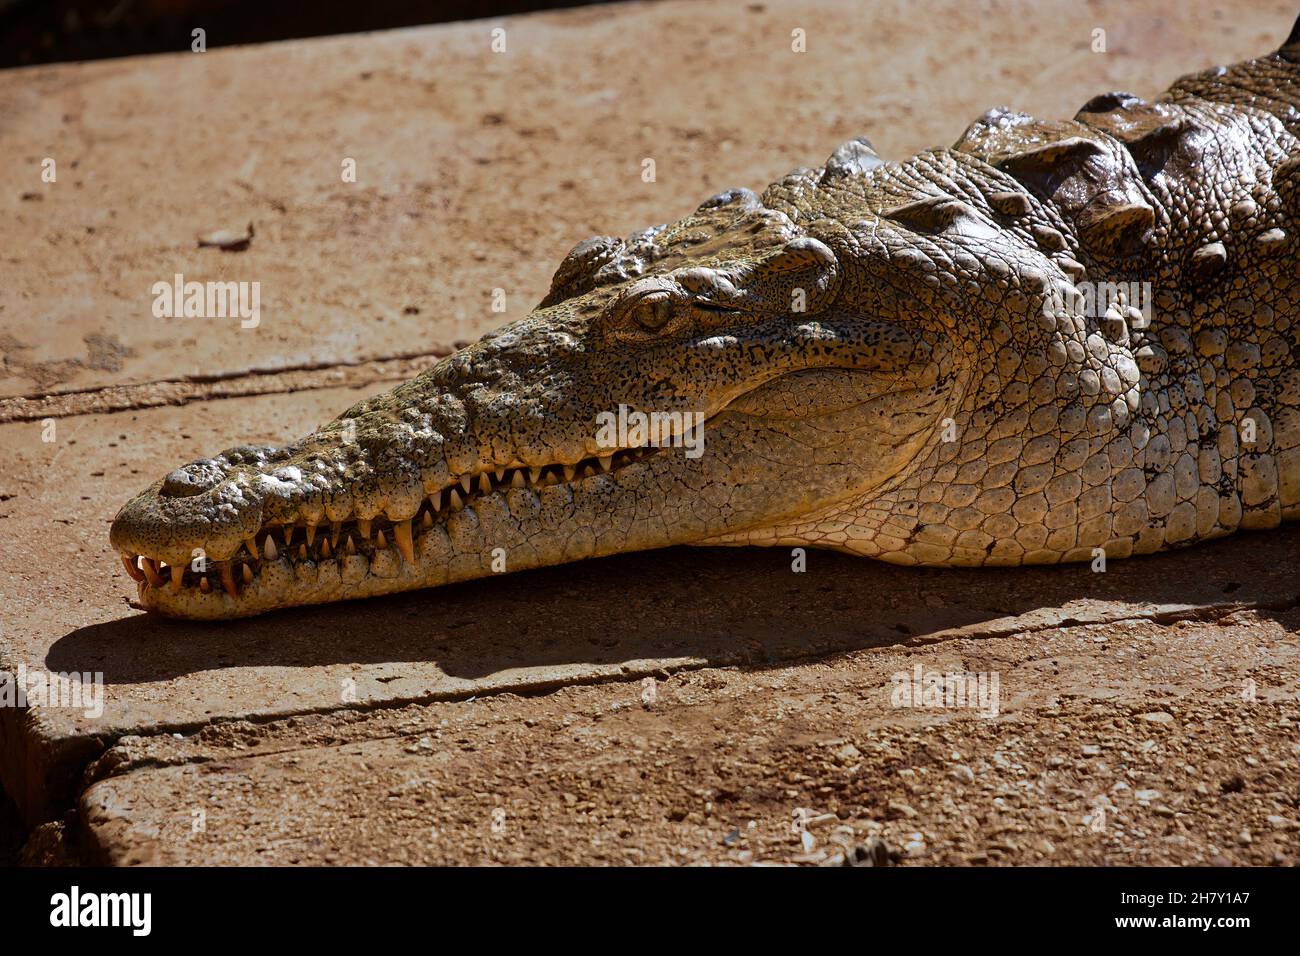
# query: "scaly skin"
[[892, 359]]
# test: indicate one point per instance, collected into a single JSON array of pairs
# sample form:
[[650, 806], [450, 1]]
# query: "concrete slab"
[[478, 170], [1127, 744]]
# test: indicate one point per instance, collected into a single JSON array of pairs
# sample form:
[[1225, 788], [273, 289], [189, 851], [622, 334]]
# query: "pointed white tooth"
[[246, 573], [351, 546], [500, 473], [311, 534], [335, 528], [128, 562], [517, 479], [402, 538], [150, 569], [287, 532], [251, 545], [484, 482], [467, 483], [569, 472], [606, 462], [325, 547], [268, 549], [435, 500], [534, 474], [453, 500], [380, 541], [363, 528]]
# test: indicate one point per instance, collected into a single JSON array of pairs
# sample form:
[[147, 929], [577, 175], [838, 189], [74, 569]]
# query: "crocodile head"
[[764, 366]]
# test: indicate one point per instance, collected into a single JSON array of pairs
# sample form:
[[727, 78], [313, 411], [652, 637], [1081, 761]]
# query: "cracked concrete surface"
[[350, 733], [1084, 763]]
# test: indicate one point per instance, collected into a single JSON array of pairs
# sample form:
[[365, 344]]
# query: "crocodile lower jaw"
[[292, 564]]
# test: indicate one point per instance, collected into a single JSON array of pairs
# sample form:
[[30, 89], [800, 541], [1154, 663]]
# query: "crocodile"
[[1054, 341]]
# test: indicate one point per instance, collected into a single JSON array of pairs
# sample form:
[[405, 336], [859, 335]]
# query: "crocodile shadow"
[[721, 605]]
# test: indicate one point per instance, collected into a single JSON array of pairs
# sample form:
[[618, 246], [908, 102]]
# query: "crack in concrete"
[[106, 399]]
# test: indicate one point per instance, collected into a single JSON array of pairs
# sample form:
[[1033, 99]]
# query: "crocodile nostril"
[[194, 479]]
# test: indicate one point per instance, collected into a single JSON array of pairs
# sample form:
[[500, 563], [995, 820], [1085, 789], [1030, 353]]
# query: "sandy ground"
[[1147, 715]]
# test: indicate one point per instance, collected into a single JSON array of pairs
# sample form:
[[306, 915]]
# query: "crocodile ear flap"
[[1045, 165], [802, 275], [929, 214]]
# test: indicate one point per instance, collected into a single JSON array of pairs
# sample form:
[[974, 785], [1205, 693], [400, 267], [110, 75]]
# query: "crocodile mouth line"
[[300, 543]]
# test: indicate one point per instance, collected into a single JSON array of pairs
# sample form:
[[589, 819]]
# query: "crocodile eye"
[[651, 312]]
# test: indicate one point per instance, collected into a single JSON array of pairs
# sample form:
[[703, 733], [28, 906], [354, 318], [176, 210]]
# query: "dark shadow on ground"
[[728, 606]]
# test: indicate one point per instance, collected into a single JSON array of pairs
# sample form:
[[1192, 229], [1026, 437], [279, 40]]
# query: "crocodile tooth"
[[435, 501], [402, 537], [517, 479], [453, 500], [484, 482], [268, 549], [380, 541], [606, 462], [302, 552], [428, 520], [246, 573], [227, 570], [351, 546], [534, 474], [311, 534], [251, 545], [287, 532], [500, 473], [569, 472], [363, 527], [177, 579], [335, 528], [204, 586], [325, 548], [467, 483], [151, 572], [128, 562]]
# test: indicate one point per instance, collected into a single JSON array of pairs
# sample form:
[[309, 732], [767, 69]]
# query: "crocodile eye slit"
[[651, 313]]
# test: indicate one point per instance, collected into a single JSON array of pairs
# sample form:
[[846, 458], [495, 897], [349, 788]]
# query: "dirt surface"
[[1129, 743], [316, 735]]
